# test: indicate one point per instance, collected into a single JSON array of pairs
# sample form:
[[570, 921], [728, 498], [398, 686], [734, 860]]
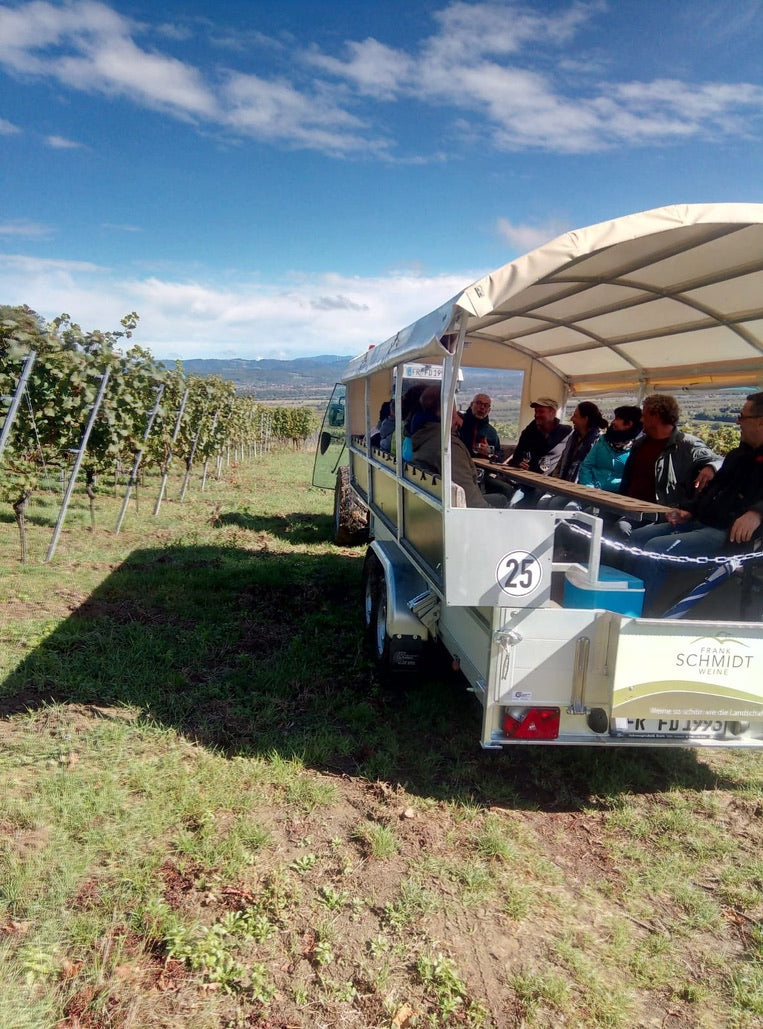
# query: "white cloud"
[[499, 67], [485, 59], [121, 228], [373, 68], [85, 45], [62, 143], [505, 28], [277, 111], [523, 238], [24, 229], [192, 317], [7, 128]]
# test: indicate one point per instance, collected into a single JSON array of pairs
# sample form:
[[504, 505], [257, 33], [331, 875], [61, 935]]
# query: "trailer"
[[668, 300]]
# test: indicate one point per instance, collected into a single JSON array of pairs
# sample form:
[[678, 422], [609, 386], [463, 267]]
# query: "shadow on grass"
[[293, 528], [257, 653]]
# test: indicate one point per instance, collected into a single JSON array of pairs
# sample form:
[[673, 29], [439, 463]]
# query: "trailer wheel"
[[372, 572], [350, 513], [375, 611], [381, 640]]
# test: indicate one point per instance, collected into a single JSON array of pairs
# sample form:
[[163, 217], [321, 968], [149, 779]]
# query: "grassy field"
[[213, 814]]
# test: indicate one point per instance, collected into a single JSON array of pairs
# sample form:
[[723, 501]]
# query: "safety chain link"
[[675, 559]]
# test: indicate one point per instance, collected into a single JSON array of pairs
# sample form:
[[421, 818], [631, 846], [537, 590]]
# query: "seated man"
[[665, 464], [542, 440], [539, 448], [476, 431], [427, 451], [728, 510]]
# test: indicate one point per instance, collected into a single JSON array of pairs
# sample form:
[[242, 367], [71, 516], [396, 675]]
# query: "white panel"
[[530, 298], [507, 328], [477, 543], [643, 318], [707, 345], [731, 251], [589, 301], [550, 340], [753, 329], [640, 251], [733, 297], [597, 362]]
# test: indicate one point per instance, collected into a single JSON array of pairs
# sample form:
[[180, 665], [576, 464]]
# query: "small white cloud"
[[121, 228], [22, 264], [524, 238], [8, 128], [277, 111], [23, 229], [373, 68], [62, 143], [178, 33]]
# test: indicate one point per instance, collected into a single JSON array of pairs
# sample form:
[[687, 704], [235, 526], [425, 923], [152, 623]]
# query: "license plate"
[[677, 728]]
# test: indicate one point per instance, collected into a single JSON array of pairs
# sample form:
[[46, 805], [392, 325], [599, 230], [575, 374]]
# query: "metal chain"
[[675, 559]]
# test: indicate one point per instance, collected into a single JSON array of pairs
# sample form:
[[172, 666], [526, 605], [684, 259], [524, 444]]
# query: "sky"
[[286, 179]]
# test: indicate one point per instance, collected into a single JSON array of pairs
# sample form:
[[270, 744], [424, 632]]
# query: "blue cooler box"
[[614, 591]]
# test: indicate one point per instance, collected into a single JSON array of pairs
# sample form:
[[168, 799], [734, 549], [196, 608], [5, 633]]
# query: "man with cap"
[[540, 446], [541, 442]]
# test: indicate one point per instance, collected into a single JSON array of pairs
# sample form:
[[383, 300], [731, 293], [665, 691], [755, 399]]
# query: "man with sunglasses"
[[728, 510]]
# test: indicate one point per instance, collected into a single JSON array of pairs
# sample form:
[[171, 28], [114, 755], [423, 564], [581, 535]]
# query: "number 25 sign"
[[519, 573]]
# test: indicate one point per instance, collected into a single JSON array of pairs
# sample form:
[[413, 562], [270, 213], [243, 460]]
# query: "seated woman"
[[587, 423], [603, 466], [409, 407], [384, 427]]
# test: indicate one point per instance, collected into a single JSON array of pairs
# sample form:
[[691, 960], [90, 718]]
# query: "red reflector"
[[531, 723]]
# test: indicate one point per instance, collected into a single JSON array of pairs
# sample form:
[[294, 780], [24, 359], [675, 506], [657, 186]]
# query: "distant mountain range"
[[303, 373], [311, 379]]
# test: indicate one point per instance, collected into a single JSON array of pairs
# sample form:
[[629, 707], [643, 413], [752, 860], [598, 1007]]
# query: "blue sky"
[[278, 179]]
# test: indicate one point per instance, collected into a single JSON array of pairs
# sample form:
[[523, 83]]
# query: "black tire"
[[350, 513], [372, 572], [380, 640], [374, 594]]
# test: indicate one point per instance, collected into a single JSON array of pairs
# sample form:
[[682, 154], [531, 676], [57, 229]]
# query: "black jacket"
[[735, 489], [676, 468], [532, 441]]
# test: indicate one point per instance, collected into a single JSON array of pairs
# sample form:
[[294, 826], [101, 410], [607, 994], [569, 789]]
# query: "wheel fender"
[[403, 583]]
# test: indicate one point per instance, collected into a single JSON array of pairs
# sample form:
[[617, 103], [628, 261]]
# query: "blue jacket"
[[603, 466]]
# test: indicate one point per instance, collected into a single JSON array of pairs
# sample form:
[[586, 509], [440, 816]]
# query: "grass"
[[213, 814]]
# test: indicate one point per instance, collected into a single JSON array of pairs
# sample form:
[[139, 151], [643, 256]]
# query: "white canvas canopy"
[[666, 299]]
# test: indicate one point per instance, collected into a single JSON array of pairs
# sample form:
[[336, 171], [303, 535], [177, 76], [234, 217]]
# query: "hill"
[[309, 380], [302, 379]]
